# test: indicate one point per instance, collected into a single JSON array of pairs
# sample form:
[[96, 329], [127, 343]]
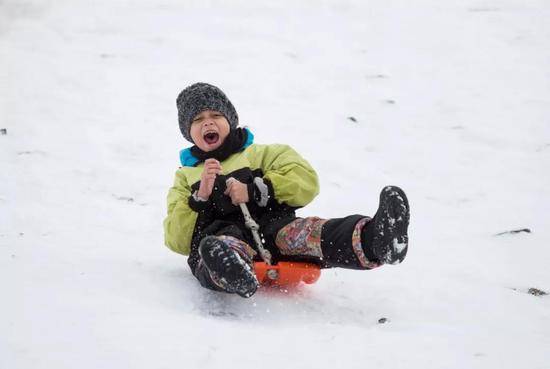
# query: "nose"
[[208, 122]]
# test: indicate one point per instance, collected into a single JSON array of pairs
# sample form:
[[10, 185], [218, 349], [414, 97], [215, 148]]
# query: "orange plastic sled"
[[286, 273]]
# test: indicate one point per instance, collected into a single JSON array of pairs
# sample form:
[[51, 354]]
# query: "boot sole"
[[391, 240], [228, 267]]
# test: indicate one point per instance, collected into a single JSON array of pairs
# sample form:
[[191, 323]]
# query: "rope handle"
[[251, 224]]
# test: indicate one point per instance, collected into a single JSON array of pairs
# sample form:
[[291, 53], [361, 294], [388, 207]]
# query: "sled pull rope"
[[254, 228]]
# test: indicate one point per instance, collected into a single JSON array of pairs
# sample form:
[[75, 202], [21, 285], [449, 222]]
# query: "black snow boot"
[[227, 267], [385, 238]]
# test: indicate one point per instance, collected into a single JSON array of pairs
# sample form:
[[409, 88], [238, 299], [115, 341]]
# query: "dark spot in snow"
[[222, 314], [383, 320], [389, 101], [124, 198], [376, 76], [536, 292], [352, 119], [514, 231], [21, 234], [33, 152], [3, 131]]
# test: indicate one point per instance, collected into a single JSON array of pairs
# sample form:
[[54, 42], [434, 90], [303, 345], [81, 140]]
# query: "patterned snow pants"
[[330, 242]]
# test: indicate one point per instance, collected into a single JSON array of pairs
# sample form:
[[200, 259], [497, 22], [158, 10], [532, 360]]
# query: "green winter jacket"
[[292, 178]]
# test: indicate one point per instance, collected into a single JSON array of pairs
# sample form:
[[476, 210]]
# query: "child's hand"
[[212, 168], [237, 191]]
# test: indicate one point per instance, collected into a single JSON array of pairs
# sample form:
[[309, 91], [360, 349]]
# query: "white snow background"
[[451, 101]]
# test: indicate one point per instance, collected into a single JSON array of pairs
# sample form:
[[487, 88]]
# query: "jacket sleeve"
[[294, 181], [180, 221]]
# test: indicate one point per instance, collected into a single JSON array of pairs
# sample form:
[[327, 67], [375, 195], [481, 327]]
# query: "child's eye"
[[217, 115]]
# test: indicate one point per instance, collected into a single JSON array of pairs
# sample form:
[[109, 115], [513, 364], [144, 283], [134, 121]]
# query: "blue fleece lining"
[[188, 160]]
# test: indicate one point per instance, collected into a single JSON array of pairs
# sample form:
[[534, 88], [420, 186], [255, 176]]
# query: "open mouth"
[[211, 138]]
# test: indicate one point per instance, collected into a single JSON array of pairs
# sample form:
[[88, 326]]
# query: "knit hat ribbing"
[[199, 97]]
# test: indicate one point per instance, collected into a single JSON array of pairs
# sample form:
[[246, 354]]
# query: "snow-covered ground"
[[451, 101]]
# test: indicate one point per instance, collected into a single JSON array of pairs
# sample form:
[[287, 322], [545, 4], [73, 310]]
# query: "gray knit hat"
[[199, 97]]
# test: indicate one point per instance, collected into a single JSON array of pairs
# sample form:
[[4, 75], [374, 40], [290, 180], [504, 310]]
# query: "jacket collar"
[[187, 159]]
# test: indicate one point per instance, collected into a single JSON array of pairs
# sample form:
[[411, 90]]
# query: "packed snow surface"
[[448, 99]]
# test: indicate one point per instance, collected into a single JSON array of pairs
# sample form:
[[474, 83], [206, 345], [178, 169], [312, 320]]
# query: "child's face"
[[209, 130]]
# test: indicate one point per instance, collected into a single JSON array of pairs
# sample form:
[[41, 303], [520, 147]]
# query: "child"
[[225, 168]]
